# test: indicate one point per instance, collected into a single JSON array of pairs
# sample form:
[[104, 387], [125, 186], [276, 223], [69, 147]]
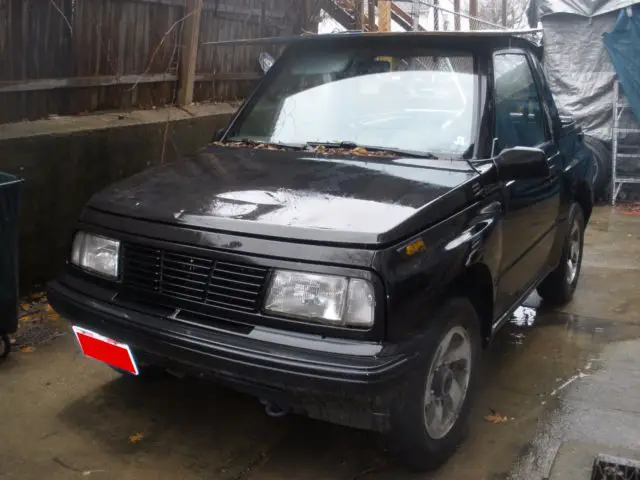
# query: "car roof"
[[473, 39]]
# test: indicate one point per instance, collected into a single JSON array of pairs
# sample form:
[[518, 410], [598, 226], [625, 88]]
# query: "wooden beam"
[[238, 76], [45, 84], [219, 7], [403, 19], [384, 15], [83, 82], [339, 14], [189, 55]]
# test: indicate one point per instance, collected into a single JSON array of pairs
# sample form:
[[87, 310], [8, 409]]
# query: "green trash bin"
[[10, 193]]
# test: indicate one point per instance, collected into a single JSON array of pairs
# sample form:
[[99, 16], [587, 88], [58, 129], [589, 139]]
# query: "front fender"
[[419, 272]]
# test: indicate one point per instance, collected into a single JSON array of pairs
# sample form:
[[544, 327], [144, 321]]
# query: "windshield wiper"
[[353, 145]]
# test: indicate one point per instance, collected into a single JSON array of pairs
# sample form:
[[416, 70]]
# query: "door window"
[[519, 113]]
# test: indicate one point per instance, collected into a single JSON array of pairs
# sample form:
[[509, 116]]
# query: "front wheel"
[[559, 286], [429, 421]]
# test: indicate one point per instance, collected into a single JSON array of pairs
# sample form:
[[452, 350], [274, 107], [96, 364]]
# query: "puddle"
[[526, 319]]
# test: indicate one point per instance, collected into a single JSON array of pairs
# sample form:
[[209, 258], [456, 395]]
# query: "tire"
[[559, 286], [414, 444], [5, 347], [602, 168]]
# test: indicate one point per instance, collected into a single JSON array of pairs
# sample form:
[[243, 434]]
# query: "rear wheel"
[[430, 420], [5, 347], [559, 286]]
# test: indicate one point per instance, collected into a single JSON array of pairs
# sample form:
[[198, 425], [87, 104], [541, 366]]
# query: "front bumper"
[[347, 382]]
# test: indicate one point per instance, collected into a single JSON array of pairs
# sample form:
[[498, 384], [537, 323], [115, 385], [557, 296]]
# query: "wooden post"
[[436, 15], [504, 13], [384, 15], [456, 18], [372, 15], [473, 13], [358, 13], [190, 40]]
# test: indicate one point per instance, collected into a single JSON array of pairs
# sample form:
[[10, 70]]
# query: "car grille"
[[175, 278]]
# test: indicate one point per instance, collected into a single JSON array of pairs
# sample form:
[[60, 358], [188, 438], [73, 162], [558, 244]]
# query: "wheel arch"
[[476, 284], [584, 197]]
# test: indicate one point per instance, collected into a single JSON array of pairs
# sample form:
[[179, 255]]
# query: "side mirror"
[[521, 163], [218, 135]]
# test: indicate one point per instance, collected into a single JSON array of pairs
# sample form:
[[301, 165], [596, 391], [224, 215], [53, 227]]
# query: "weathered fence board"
[[73, 56]]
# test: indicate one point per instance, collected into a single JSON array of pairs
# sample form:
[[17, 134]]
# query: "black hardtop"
[[474, 40]]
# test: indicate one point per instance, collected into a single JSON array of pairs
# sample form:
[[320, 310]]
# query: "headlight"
[[329, 299], [96, 254]]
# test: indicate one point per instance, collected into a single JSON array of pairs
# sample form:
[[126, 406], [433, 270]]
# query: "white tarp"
[[578, 67]]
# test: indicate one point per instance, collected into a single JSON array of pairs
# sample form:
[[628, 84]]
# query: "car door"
[[531, 206]]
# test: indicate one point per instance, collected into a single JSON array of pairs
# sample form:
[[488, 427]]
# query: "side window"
[[520, 118]]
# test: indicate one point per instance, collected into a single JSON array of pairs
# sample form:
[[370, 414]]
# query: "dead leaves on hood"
[[320, 149], [255, 146], [357, 152]]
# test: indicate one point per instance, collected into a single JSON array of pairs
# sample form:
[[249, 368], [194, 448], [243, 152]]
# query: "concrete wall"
[[65, 160]]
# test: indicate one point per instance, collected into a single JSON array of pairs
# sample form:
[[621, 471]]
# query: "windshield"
[[419, 100]]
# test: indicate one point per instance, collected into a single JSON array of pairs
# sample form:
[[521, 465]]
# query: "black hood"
[[290, 194]]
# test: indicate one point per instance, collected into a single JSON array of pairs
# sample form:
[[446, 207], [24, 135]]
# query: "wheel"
[[559, 286], [5, 347], [429, 421]]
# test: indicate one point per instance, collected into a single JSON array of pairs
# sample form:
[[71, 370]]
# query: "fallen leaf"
[[25, 306], [27, 349], [27, 318], [495, 417], [136, 437], [54, 317], [49, 308]]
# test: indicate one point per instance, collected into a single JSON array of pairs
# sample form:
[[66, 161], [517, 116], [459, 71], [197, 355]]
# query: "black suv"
[[347, 247]]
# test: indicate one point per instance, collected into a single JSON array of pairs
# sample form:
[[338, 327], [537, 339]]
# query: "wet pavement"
[[554, 375]]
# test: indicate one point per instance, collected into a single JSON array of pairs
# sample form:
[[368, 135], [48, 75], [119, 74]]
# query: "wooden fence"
[[62, 57]]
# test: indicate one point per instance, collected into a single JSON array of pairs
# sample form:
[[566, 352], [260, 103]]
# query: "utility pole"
[[384, 15], [456, 18]]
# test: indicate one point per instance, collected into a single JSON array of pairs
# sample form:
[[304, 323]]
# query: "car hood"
[[292, 194]]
